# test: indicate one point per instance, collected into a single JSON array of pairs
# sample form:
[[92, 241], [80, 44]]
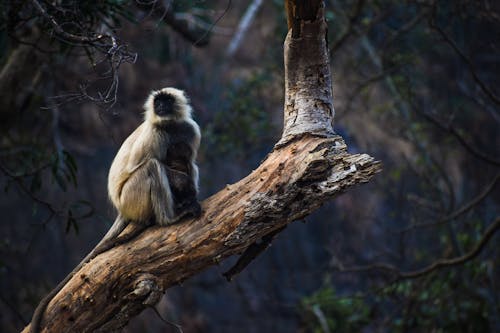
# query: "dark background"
[[415, 85]]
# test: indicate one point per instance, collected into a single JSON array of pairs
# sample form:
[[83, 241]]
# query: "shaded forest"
[[414, 85]]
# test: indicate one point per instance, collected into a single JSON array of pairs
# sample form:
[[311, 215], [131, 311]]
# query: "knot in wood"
[[147, 289]]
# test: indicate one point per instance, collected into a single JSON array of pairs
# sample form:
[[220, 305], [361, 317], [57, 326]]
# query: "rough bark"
[[306, 168], [293, 181], [308, 84]]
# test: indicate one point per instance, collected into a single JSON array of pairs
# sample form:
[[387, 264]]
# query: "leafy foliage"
[[342, 314]]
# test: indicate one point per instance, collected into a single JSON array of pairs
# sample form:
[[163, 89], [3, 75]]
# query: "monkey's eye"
[[164, 104]]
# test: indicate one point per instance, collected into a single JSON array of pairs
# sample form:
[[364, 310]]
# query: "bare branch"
[[63, 34], [294, 180], [442, 263], [183, 23], [452, 130], [467, 61], [460, 211], [351, 21], [305, 169], [243, 26]]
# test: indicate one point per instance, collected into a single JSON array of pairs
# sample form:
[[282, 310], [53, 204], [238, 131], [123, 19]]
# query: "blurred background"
[[415, 85]]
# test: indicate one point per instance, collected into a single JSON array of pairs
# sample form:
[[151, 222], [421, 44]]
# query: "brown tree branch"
[[293, 181], [309, 166]]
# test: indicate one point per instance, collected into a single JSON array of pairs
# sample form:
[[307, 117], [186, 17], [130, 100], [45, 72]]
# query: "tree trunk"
[[306, 168], [308, 85]]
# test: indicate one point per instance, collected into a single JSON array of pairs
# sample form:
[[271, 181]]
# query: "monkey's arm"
[[193, 168]]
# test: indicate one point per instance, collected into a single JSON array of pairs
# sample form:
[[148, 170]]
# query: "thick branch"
[[293, 181], [307, 167], [308, 83]]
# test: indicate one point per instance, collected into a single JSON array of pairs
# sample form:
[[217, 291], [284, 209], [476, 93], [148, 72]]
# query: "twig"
[[190, 18], [467, 61], [405, 28], [63, 34], [375, 78], [442, 263], [452, 130], [18, 180], [214, 24], [462, 210], [352, 17], [251, 253], [13, 309], [166, 321]]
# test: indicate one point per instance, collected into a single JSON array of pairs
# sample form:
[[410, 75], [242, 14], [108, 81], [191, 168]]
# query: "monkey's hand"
[[187, 209], [195, 209]]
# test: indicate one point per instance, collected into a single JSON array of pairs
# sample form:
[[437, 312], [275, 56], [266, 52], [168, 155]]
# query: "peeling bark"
[[292, 182], [307, 167]]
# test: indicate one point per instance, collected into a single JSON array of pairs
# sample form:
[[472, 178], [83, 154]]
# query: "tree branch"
[[453, 131], [197, 34], [460, 211], [293, 181], [60, 31], [308, 81], [309, 166], [492, 96], [442, 263]]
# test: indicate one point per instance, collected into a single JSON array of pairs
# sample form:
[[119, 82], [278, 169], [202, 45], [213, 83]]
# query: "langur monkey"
[[153, 178], [160, 153]]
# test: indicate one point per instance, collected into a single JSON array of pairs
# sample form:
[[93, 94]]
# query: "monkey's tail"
[[106, 243]]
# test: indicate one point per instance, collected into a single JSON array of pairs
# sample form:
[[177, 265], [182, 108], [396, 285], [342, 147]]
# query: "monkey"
[[152, 179], [168, 139]]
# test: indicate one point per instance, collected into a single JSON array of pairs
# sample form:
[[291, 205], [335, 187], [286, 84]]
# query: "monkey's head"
[[167, 104]]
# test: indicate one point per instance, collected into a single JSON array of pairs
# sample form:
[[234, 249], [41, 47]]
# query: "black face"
[[164, 104]]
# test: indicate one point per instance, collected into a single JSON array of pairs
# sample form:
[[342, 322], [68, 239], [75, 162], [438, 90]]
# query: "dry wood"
[[306, 168], [293, 181]]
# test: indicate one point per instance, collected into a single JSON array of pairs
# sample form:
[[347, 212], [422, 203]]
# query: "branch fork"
[[307, 167]]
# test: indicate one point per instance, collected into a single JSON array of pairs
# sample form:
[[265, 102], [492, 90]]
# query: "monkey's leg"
[[162, 200], [184, 193], [147, 194]]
